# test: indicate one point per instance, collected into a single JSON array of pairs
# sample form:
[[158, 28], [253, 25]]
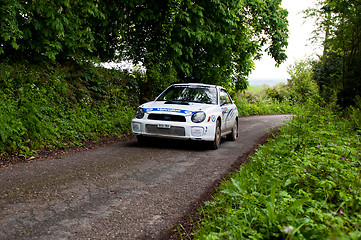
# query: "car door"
[[227, 110]]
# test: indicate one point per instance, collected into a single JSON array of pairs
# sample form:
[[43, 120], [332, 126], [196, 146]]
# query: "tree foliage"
[[327, 73], [301, 83], [339, 22], [53, 29], [206, 41], [176, 40], [9, 31]]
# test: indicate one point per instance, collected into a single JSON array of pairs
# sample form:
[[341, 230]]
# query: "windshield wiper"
[[177, 102], [199, 102]]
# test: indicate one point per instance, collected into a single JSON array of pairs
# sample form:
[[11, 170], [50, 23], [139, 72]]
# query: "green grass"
[[304, 184], [255, 89]]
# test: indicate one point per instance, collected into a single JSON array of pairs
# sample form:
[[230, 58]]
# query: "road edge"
[[185, 226]]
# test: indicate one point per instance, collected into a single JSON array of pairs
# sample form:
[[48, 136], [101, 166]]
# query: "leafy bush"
[[57, 106], [305, 184], [281, 92], [355, 113], [301, 83], [283, 98], [269, 100]]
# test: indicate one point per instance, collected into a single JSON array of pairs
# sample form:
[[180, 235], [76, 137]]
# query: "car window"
[[224, 97], [186, 94]]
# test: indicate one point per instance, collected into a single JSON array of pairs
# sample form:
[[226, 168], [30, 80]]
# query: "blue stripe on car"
[[168, 110], [229, 113]]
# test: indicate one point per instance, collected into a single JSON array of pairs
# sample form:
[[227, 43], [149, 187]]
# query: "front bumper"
[[204, 131]]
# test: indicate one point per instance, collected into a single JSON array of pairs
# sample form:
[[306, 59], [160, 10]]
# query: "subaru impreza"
[[190, 111]]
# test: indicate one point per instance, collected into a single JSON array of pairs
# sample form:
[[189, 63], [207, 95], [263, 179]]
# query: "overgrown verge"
[[270, 100], [305, 184], [52, 106]]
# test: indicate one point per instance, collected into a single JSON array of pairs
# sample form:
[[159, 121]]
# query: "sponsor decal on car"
[[168, 110], [213, 118], [230, 114]]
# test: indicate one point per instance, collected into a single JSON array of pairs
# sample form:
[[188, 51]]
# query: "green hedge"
[[57, 106]]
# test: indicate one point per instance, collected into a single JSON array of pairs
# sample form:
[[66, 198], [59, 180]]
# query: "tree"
[[176, 40], [205, 41], [327, 73], [340, 20]]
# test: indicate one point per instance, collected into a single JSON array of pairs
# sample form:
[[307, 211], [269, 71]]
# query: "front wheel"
[[233, 135], [217, 137]]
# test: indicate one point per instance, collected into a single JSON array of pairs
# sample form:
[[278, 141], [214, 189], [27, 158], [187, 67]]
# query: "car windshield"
[[186, 94]]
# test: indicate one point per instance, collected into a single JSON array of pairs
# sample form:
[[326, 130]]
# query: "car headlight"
[[198, 117], [139, 113]]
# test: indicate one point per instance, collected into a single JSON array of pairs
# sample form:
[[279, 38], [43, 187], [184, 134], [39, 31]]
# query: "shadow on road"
[[173, 144]]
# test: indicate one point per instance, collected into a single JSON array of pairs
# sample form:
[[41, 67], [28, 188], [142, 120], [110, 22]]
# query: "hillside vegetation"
[[53, 106]]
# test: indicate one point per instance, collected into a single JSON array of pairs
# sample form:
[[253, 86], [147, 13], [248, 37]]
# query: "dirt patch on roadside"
[[191, 221]]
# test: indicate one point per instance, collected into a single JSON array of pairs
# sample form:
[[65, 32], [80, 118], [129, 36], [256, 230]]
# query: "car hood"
[[163, 107]]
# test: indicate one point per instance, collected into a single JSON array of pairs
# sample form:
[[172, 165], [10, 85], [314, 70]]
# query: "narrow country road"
[[121, 191]]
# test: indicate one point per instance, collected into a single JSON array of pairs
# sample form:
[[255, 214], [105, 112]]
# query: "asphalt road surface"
[[121, 191]]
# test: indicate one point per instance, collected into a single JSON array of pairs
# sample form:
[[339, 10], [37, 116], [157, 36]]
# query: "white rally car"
[[188, 111]]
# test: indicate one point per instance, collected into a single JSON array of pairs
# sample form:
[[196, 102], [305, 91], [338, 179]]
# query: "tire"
[[217, 137], [233, 135]]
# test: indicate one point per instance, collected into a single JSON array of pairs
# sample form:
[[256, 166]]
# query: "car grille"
[[172, 131], [166, 117]]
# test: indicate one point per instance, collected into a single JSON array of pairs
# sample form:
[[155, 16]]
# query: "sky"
[[299, 45]]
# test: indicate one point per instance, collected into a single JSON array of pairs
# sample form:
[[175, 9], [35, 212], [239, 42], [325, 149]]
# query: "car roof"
[[196, 84]]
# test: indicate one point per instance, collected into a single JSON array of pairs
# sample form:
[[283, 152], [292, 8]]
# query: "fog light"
[[136, 127], [197, 131]]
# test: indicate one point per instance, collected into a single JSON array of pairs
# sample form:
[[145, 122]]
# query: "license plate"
[[163, 126]]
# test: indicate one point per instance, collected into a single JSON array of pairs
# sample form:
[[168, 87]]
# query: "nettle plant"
[[305, 184]]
